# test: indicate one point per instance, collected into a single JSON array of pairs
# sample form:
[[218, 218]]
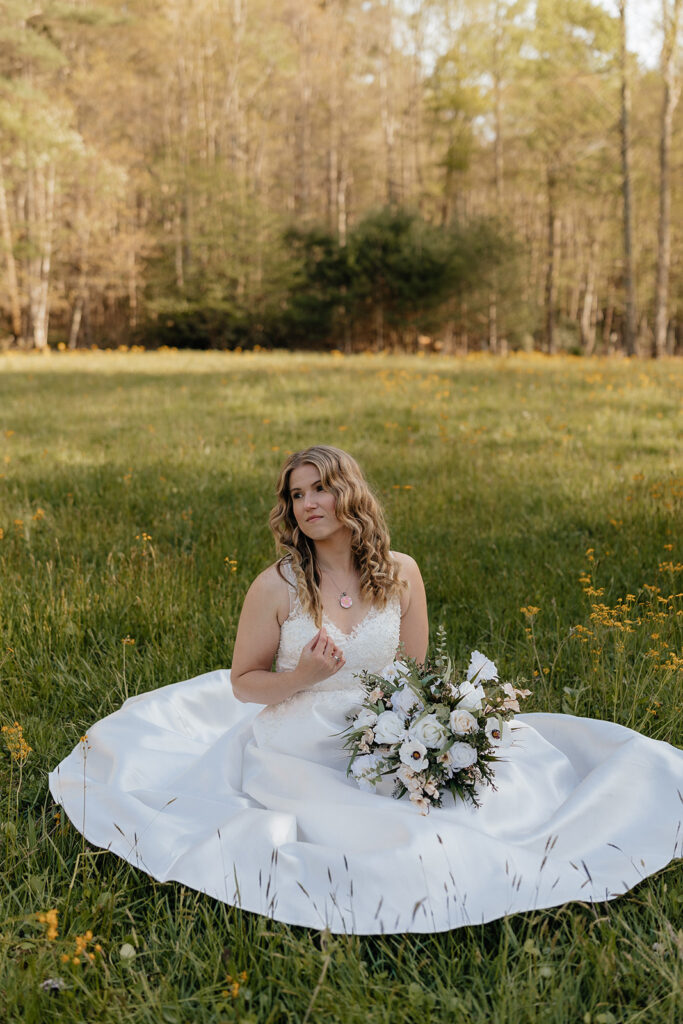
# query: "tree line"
[[450, 174]]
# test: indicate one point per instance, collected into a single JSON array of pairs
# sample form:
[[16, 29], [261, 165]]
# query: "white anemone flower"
[[499, 734], [413, 754]]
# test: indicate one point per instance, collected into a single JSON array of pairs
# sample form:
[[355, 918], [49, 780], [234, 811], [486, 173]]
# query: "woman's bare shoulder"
[[271, 581], [407, 564], [409, 572], [271, 589]]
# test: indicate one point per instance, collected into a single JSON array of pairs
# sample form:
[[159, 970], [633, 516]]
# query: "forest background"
[[354, 174]]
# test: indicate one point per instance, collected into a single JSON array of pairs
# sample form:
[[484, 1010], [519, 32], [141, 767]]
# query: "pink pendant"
[[345, 601]]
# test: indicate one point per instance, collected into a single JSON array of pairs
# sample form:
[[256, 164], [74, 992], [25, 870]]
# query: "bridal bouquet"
[[431, 729]]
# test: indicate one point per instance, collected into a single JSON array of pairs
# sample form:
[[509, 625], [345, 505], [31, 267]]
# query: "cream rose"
[[462, 722], [389, 728], [430, 731]]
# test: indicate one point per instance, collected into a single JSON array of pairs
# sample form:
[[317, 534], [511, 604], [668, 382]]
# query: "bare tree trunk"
[[552, 265], [12, 283], [387, 114], [81, 287], [630, 323], [342, 189], [497, 162], [672, 90], [132, 287], [587, 322], [41, 197], [416, 105], [302, 120]]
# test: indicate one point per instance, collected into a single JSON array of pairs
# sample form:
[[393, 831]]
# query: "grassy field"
[[134, 492]]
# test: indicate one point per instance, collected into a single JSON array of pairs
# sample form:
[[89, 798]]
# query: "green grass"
[[498, 476]]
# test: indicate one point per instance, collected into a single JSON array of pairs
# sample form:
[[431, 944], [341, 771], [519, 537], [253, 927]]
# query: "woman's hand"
[[319, 659]]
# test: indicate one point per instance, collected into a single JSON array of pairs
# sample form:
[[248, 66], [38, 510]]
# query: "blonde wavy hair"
[[357, 508]]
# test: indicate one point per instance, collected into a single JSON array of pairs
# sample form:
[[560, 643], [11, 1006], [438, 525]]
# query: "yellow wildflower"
[[16, 744], [49, 918]]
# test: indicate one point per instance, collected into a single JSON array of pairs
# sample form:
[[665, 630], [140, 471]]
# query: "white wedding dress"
[[253, 806]]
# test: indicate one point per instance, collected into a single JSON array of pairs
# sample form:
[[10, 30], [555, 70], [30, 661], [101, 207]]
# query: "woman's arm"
[[265, 607], [414, 621]]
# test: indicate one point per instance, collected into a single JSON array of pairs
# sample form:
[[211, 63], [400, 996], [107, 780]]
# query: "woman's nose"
[[310, 500]]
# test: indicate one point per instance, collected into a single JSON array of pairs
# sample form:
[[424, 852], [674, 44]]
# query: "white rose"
[[430, 731], [462, 722], [499, 734], [461, 755], [413, 754], [364, 767], [395, 670], [366, 719], [404, 700], [480, 668], [389, 728], [469, 696]]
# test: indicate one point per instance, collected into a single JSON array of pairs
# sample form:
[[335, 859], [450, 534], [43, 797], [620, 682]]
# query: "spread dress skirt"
[[252, 805]]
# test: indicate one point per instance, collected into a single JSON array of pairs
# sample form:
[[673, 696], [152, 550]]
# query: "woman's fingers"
[[319, 640], [322, 646]]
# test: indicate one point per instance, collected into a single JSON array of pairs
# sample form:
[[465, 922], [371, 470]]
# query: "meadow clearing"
[[541, 497]]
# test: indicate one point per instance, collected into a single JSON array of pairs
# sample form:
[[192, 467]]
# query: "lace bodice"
[[371, 645]]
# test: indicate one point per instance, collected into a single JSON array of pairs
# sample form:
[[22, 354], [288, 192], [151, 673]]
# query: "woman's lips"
[[313, 519]]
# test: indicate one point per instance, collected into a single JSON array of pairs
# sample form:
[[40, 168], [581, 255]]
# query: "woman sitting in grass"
[[235, 782]]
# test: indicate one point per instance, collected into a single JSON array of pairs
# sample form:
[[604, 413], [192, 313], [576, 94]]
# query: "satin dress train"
[[252, 804]]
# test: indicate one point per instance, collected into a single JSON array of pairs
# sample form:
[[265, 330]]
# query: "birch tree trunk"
[[40, 202], [387, 114], [672, 89], [552, 265], [587, 322], [630, 321], [12, 282]]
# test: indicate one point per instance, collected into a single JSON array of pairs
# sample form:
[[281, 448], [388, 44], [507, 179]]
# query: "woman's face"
[[313, 506]]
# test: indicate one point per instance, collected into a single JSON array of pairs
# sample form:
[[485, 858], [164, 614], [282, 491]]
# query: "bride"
[[235, 783]]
